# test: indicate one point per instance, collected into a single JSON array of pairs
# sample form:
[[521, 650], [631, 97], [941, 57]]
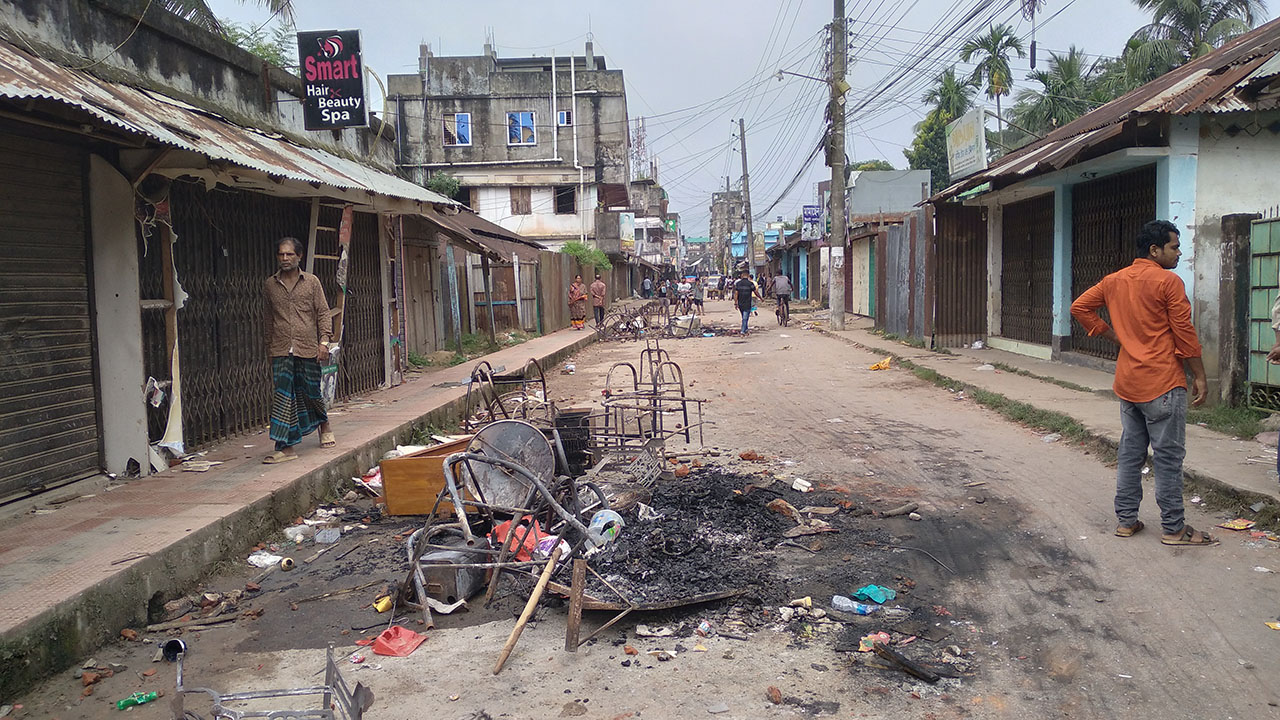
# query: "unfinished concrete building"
[[540, 145]]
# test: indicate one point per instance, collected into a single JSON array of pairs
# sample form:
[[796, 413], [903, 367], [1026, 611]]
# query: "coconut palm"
[[992, 51], [1183, 30], [949, 95], [199, 13], [1066, 89]]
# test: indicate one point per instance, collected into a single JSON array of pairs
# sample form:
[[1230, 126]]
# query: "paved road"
[[1065, 620]]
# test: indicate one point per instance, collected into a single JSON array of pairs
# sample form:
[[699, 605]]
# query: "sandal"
[[327, 440], [1189, 536], [1129, 530], [279, 456]]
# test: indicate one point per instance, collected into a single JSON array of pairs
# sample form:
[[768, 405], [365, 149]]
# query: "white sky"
[[695, 66]]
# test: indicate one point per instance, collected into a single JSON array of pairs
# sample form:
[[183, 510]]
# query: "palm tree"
[[993, 51], [200, 14], [1066, 89], [949, 95], [1182, 30]]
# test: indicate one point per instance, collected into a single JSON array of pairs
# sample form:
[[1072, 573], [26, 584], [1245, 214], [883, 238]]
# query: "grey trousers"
[[1162, 425]]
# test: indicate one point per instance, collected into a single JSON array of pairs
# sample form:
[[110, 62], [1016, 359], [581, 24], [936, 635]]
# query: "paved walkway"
[[1232, 463], [72, 575]]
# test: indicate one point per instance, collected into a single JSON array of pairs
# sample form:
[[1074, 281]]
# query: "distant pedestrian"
[[699, 295], [646, 287], [1151, 321], [298, 330], [598, 291], [577, 303], [664, 295], [745, 288]]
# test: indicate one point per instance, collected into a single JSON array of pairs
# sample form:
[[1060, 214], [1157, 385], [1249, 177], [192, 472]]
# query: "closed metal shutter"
[[1026, 312], [48, 404]]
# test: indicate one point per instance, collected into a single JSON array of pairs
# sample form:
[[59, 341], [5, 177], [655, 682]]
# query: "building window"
[[521, 201], [457, 129], [564, 118], [566, 200], [520, 128]]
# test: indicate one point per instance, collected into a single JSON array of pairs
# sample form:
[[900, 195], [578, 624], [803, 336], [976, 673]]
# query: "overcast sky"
[[695, 66]]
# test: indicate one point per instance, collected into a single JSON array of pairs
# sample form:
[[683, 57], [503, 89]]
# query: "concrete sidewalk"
[[1241, 467], [76, 574]]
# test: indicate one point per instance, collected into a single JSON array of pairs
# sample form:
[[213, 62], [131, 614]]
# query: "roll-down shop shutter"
[[48, 403]]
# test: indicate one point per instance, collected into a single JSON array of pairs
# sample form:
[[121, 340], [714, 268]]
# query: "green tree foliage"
[[928, 149], [950, 95], [586, 255], [1183, 30], [277, 46], [444, 183], [876, 164], [992, 51], [1066, 92], [200, 14]]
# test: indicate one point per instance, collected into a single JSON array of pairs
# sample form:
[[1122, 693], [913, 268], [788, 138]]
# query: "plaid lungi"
[[297, 408]]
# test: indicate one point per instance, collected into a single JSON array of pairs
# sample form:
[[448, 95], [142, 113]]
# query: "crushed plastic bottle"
[[849, 605], [136, 699]]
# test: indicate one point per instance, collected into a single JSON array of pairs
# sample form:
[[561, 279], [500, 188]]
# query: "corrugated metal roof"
[[177, 124], [1228, 79]]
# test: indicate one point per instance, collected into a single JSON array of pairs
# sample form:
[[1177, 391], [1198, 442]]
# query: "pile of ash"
[[707, 539]]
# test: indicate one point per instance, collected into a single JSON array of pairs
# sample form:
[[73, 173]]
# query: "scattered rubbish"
[[1051, 438], [645, 512], [868, 642], [604, 528], [129, 634], [357, 658], [568, 369], [810, 527], [985, 368], [875, 593], [835, 420], [1196, 499], [137, 698], [802, 485], [1237, 524], [975, 483], [753, 352], [704, 629], [774, 695], [900, 510], [977, 345], [915, 516], [1146, 469], [804, 602], [941, 611], [628, 650], [718, 708], [844, 604], [882, 365], [383, 603], [908, 666], [199, 465], [264, 559], [819, 510], [1273, 625], [782, 507], [661, 631], [299, 533], [287, 564], [1258, 506], [445, 609], [328, 536], [397, 641], [661, 655], [1259, 568]]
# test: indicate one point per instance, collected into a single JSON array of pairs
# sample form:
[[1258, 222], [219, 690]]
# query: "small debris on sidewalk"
[[1237, 524], [882, 365]]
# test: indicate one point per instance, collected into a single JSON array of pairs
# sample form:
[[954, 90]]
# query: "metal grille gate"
[[1026, 312], [223, 254], [962, 274], [1107, 215], [1264, 269]]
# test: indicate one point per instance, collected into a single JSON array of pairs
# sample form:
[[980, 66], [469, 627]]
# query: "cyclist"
[[782, 291]]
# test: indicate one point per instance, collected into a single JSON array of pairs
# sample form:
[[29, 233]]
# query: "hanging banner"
[[332, 79], [627, 231], [812, 227]]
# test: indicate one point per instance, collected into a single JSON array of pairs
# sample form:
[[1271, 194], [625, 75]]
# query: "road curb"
[[65, 633], [1238, 495]]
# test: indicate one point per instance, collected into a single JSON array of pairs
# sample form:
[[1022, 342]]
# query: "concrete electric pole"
[[835, 159], [746, 194]]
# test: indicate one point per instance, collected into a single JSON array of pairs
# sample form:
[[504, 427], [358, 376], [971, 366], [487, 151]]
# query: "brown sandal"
[[1189, 536], [1129, 530]]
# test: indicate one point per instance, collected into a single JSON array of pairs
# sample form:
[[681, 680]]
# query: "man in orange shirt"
[[1151, 321]]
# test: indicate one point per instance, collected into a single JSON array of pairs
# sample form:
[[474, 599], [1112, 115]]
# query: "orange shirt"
[[1152, 317]]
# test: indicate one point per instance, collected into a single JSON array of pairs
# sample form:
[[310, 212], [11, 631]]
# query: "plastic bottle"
[[136, 699], [844, 604]]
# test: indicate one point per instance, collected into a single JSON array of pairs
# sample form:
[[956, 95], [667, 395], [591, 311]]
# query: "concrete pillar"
[[995, 264], [118, 318], [1176, 190], [1062, 236]]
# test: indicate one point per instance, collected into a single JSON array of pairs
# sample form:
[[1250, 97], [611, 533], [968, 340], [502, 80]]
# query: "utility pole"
[[836, 160], [746, 194]]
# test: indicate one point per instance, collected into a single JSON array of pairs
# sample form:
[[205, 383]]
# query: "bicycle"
[[783, 311]]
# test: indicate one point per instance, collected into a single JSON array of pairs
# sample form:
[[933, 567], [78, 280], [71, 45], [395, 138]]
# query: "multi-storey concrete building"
[[726, 219], [540, 145]]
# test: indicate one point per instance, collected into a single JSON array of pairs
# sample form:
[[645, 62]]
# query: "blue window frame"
[[520, 130], [457, 129]]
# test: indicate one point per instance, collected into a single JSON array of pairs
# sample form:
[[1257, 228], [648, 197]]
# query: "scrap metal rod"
[[904, 547]]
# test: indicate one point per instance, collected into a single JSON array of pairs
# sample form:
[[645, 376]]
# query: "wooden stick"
[[579, 587], [528, 611], [900, 510], [908, 666], [174, 625], [322, 596]]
